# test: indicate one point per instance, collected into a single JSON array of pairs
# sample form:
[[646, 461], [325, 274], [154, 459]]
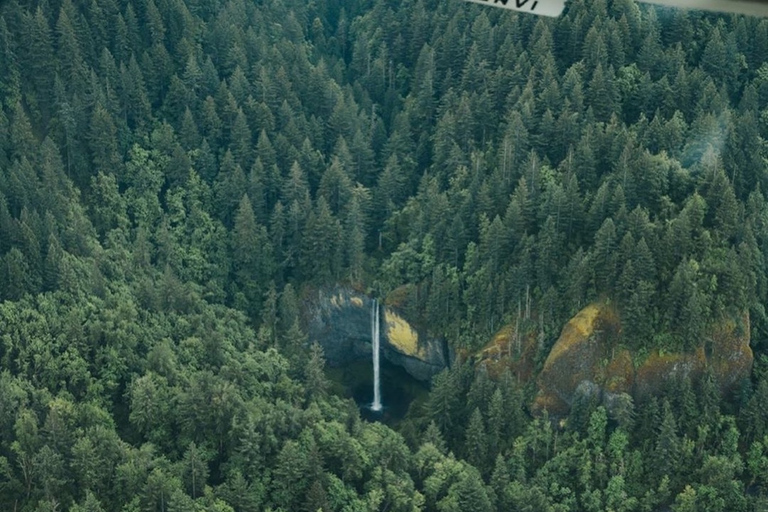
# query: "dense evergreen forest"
[[175, 175]]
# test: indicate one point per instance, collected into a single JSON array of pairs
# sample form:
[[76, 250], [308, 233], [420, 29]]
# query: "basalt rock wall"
[[587, 355], [340, 320]]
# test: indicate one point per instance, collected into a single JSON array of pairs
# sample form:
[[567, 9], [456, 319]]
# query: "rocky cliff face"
[[420, 357], [340, 320], [586, 356]]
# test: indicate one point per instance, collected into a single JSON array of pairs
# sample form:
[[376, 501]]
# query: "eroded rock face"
[[587, 352], [340, 320], [404, 347], [573, 360]]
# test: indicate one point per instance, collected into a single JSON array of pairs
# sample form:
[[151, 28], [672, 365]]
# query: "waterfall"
[[376, 405]]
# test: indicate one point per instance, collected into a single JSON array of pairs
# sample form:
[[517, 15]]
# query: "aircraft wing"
[[551, 8], [554, 8], [752, 8]]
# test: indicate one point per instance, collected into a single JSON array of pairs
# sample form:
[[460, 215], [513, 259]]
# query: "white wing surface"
[[551, 8], [554, 8]]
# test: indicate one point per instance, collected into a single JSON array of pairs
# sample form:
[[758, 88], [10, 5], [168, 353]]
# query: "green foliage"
[[176, 177]]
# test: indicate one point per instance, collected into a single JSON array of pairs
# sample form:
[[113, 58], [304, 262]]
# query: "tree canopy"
[[176, 174]]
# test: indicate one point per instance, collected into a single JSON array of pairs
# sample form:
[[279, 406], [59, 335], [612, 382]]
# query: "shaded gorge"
[[399, 390]]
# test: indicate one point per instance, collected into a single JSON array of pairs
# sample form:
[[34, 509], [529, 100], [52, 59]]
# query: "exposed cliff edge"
[[340, 320], [588, 354]]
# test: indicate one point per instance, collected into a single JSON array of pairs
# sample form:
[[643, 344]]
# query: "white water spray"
[[376, 405]]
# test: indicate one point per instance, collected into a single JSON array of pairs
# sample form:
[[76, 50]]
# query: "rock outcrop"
[[420, 357], [340, 320], [511, 349], [588, 353]]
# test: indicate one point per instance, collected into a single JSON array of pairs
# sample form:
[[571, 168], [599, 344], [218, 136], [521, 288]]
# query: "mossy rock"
[[579, 355], [589, 350], [619, 373], [513, 349], [660, 368]]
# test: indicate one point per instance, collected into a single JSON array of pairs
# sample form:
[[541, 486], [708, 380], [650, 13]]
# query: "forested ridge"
[[175, 175]]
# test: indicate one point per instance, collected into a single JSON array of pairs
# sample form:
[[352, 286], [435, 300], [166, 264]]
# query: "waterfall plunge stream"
[[376, 405]]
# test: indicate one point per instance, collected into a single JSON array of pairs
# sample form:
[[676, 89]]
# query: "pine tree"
[[336, 187], [10, 81], [211, 123], [317, 498], [103, 141], [253, 260], [136, 101], [314, 373], [39, 51], [228, 188], [472, 495], [71, 64], [432, 435], [16, 277], [355, 233], [475, 444], [189, 136], [604, 256], [195, 470], [667, 451], [154, 23], [240, 140], [688, 304], [602, 93], [22, 140], [321, 251], [444, 401], [90, 504]]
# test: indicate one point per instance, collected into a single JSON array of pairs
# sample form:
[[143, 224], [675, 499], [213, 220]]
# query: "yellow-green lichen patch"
[[510, 348], [578, 329], [499, 344], [337, 301], [401, 335]]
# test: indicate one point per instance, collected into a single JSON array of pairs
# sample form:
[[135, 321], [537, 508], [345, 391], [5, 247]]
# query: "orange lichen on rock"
[[658, 369], [550, 402], [619, 373], [731, 356], [589, 350], [510, 349]]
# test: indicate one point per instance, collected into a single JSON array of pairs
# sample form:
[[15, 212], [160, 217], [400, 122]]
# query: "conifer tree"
[[253, 260]]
